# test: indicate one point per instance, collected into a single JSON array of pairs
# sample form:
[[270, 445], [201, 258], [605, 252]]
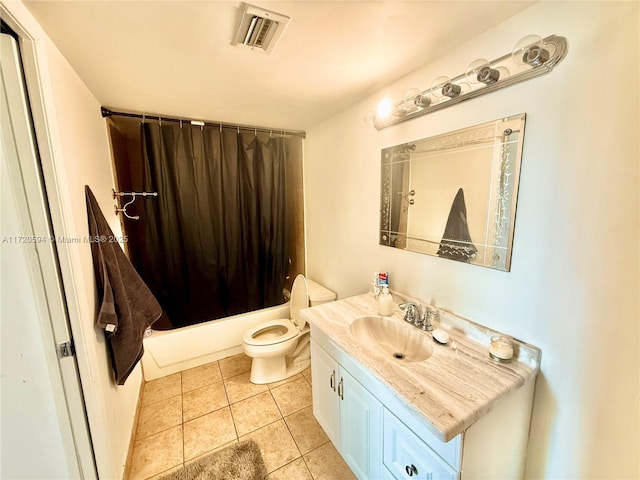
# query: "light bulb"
[[438, 85], [474, 69], [530, 51], [443, 88], [385, 108], [414, 98], [453, 90], [481, 71], [422, 101]]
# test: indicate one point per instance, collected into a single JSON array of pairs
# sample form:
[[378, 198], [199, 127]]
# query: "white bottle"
[[385, 302]]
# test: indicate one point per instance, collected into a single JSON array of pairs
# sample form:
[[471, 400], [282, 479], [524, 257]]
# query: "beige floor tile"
[[286, 380], [200, 376], [200, 401], [255, 412], [156, 454], [235, 365], [276, 445], [296, 470], [307, 374], [306, 431], [208, 432], [161, 389], [159, 416], [325, 463], [239, 387], [293, 396]]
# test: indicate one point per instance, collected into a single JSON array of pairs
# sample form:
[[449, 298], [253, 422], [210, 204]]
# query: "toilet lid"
[[270, 332], [299, 300]]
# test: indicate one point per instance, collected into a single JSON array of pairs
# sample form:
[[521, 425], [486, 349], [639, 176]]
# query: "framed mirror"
[[454, 195]]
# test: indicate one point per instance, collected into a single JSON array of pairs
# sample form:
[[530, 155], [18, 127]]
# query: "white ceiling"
[[175, 58]]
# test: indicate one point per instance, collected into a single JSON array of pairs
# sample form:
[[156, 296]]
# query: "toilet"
[[281, 348]]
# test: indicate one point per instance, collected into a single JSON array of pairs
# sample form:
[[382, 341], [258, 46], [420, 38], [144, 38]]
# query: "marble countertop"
[[451, 389]]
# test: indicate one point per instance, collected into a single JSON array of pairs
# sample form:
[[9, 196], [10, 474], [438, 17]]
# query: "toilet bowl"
[[280, 348]]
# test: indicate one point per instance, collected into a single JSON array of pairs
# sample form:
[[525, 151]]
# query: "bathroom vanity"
[[443, 412]]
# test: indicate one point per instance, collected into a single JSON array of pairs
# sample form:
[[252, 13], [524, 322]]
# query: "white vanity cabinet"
[[349, 414], [380, 437]]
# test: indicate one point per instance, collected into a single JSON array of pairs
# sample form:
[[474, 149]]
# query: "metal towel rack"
[[133, 196]]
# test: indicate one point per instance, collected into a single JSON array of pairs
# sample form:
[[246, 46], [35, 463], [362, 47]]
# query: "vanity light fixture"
[[530, 57]]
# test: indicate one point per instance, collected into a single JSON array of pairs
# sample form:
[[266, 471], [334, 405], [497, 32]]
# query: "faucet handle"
[[425, 321], [411, 308]]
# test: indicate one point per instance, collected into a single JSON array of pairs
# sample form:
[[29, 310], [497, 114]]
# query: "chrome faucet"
[[414, 317], [411, 310]]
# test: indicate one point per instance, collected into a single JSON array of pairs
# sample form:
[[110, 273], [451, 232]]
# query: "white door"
[[44, 433]]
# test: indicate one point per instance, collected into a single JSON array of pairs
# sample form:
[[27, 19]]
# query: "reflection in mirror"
[[454, 195]]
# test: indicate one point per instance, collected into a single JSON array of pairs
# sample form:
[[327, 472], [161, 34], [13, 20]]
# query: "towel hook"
[[133, 196]]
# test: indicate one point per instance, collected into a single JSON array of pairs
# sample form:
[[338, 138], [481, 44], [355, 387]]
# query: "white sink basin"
[[402, 342]]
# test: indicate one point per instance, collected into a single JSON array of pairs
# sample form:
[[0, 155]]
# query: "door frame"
[[47, 215]]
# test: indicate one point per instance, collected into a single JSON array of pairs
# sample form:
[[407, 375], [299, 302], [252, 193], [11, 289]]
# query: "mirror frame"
[[504, 139]]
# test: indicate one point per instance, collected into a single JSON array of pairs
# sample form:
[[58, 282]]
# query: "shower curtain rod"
[[106, 112]]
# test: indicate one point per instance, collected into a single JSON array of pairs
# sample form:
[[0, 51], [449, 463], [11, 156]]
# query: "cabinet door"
[[406, 456], [360, 428], [324, 388]]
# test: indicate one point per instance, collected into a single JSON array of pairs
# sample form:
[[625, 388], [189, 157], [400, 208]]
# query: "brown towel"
[[127, 306]]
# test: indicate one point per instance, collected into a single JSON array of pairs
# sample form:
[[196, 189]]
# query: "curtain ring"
[[270, 133], [160, 120], [255, 132], [143, 118], [220, 128], [180, 123], [238, 128]]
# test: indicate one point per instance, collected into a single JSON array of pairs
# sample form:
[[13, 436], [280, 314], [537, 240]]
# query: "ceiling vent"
[[259, 28]]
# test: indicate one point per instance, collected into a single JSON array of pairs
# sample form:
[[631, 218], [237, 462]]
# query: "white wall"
[[573, 286], [76, 152]]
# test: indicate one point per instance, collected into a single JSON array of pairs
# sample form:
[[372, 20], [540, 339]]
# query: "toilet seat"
[[280, 348], [271, 333]]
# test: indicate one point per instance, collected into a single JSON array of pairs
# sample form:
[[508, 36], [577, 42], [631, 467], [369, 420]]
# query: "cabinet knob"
[[411, 470]]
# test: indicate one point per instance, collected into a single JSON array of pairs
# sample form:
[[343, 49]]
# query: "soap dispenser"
[[385, 302]]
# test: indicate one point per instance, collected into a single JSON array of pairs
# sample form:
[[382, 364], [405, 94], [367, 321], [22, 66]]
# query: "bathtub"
[[171, 351]]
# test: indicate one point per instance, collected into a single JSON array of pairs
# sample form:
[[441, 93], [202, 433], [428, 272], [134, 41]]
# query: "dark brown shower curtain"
[[213, 242]]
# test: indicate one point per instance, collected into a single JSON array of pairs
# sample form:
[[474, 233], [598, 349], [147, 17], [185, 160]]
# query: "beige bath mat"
[[241, 461]]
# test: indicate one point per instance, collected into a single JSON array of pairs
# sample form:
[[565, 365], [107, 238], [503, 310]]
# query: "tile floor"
[[195, 412]]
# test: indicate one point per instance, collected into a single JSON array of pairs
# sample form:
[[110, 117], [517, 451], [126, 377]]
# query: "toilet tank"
[[319, 294]]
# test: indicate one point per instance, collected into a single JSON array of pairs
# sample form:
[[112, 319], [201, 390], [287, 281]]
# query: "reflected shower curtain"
[[214, 241]]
